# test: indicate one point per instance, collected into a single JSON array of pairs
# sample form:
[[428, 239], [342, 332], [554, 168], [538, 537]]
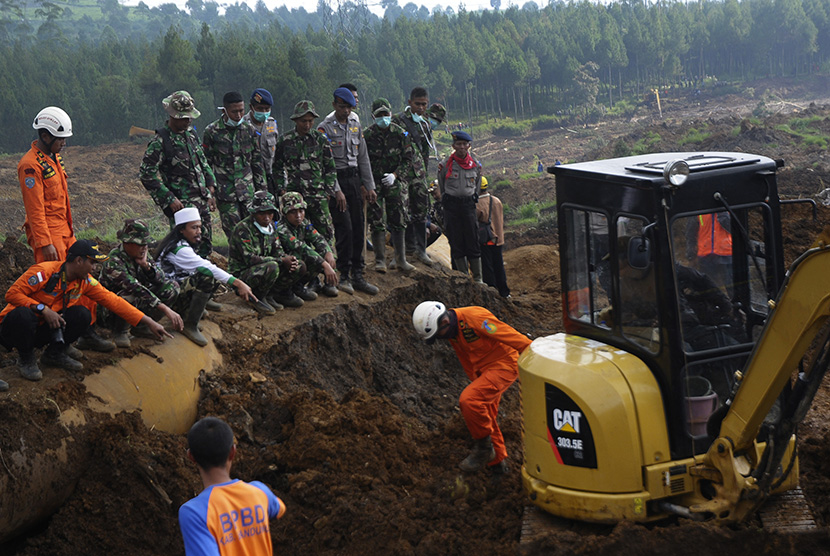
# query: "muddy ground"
[[356, 426]]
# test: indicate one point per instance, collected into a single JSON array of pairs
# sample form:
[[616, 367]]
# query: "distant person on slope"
[[488, 349], [228, 513], [491, 213]]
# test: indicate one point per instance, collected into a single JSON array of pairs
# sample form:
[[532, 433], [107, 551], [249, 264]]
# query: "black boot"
[[362, 285], [28, 366], [55, 356], [482, 454], [91, 340]]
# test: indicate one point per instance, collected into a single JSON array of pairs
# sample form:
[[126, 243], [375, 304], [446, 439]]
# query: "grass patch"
[[695, 136], [735, 131], [647, 144], [805, 130], [528, 214], [529, 175]]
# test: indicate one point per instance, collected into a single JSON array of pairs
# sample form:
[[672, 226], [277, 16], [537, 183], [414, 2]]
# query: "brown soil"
[[357, 426]]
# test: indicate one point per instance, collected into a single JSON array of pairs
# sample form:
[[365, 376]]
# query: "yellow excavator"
[[689, 355]]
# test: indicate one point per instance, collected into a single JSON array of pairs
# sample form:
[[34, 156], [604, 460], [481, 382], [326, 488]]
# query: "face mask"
[[267, 231], [383, 121], [433, 123], [232, 123], [261, 116], [416, 118]]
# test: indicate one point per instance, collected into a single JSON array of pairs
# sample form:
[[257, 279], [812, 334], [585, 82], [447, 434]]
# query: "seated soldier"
[[198, 278], [46, 309], [299, 238], [255, 254], [131, 273]]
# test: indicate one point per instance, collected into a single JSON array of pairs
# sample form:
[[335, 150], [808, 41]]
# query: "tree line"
[[109, 65]]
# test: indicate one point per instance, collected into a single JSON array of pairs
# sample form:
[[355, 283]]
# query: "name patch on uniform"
[[30, 182], [488, 327], [91, 281], [29, 171]]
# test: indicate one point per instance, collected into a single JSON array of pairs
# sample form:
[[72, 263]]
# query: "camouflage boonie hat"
[[302, 108], [381, 105], [180, 105], [291, 201], [262, 202], [135, 231], [437, 111]]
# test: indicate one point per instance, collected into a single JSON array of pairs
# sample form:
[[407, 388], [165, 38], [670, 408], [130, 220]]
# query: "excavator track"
[[788, 512]]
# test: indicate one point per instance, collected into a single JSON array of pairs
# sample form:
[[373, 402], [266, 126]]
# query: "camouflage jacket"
[[391, 150], [175, 167], [249, 247], [234, 155], [304, 242], [122, 275], [419, 133], [305, 164]]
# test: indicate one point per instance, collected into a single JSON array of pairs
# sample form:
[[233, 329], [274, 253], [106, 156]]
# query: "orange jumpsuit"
[[29, 290], [488, 349], [46, 198]]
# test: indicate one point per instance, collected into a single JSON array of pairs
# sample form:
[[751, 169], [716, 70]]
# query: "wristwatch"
[[39, 308]]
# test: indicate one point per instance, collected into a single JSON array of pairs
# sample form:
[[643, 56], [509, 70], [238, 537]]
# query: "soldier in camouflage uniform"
[[259, 116], [414, 119], [256, 255], [232, 149], [395, 163], [131, 273], [174, 169], [299, 238], [304, 163]]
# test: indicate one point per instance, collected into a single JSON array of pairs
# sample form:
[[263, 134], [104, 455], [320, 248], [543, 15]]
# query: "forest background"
[[520, 68]]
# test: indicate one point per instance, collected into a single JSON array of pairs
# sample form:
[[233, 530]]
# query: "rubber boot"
[[261, 306], [475, 266], [55, 356], [360, 283], [288, 298], [482, 454], [193, 316], [74, 352], [121, 337], [410, 238], [345, 284], [303, 292], [212, 305], [461, 265], [400, 252], [379, 241], [421, 245], [91, 340], [28, 366], [269, 299]]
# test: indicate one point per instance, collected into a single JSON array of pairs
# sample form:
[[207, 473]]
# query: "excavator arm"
[[795, 326]]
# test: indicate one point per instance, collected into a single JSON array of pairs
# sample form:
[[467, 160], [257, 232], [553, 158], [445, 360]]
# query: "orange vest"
[[484, 342], [712, 238], [46, 198]]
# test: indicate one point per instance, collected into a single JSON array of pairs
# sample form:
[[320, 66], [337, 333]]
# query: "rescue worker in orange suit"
[[45, 193], [710, 244], [45, 308], [488, 349]]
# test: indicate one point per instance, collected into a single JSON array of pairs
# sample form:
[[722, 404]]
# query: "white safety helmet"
[[425, 318], [55, 121]]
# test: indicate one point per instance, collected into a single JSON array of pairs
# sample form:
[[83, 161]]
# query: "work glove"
[[388, 179]]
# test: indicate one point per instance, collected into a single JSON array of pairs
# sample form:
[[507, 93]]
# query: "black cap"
[[85, 248]]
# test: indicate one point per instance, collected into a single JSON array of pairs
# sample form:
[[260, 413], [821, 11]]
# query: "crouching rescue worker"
[[131, 273], [46, 307], [229, 516], [255, 253], [301, 239], [489, 350], [198, 278]]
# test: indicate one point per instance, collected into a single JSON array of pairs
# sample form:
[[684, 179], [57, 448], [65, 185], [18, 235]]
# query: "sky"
[[311, 5]]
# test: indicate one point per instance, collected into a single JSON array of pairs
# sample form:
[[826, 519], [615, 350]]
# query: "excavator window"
[[638, 314], [588, 266]]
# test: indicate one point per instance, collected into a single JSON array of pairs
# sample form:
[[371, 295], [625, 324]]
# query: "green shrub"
[[695, 136], [544, 122], [511, 129], [623, 108]]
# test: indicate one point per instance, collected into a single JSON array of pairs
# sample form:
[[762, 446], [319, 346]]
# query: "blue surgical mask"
[[384, 121], [261, 116], [269, 230], [416, 118], [433, 123]]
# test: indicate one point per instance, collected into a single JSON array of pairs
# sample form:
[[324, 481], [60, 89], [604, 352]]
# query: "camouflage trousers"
[[270, 277], [393, 201], [167, 293], [313, 266], [231, 213], [206, 244], [318, 212], [418, 201], [202, 281]]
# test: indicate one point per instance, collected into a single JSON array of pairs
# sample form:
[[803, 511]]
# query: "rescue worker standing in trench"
[[489, 350]]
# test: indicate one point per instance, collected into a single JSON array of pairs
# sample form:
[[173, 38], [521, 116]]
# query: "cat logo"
[[566, 421]]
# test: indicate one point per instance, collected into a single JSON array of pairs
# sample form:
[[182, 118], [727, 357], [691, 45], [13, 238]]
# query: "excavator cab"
[[670, 265]]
